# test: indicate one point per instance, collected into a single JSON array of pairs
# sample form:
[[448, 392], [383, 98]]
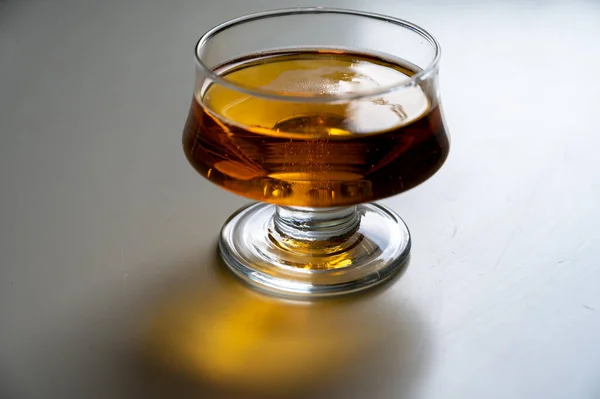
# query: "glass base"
[[311, 252]]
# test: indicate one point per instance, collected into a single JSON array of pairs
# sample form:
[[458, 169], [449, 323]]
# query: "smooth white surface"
[[102, 221]]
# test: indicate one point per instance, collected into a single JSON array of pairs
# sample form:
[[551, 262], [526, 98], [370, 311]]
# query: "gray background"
[[109, 283]]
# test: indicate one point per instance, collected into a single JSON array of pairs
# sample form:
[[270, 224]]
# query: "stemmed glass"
[[315, 113]]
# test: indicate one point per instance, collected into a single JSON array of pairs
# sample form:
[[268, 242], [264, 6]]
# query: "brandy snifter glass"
[[315, 113]]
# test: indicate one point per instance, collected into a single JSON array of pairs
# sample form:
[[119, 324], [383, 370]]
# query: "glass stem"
[[316, 224]]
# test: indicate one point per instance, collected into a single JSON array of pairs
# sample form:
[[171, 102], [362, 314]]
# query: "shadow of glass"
[[215, 337]]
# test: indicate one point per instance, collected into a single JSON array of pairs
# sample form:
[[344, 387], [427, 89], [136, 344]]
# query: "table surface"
[[109, 282]]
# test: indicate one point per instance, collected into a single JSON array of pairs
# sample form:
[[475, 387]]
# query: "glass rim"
[[254, 91]]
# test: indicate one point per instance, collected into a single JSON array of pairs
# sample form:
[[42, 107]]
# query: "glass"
[[316, 112]]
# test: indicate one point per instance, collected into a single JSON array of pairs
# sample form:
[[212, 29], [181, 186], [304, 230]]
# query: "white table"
[[109, 283]]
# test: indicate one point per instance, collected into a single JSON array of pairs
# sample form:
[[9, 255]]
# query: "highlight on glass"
[[315, 113]]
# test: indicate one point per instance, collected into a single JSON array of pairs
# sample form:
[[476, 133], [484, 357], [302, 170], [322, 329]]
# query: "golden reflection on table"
[[221, 338]]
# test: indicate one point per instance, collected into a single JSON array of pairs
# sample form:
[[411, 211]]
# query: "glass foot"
[[311, 252]]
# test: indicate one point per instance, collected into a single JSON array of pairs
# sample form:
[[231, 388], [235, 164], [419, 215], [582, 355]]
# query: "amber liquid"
[[291, 151]]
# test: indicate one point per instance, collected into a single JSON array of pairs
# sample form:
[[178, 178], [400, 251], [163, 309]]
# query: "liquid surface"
[[316, 154]]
